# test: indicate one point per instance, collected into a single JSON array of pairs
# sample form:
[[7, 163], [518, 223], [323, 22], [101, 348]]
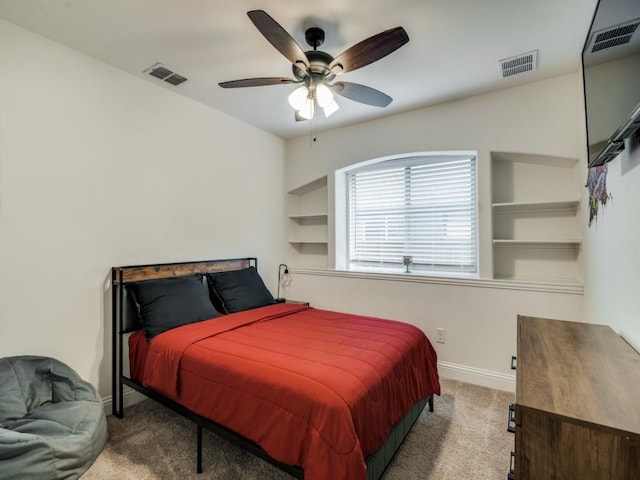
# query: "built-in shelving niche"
[[308, 224], [536, 229]]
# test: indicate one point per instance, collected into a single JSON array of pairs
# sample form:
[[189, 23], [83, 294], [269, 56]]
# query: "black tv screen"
[[611, 71]]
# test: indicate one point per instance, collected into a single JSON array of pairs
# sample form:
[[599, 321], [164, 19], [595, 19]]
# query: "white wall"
[[98, 169], [612, 250], [539, 118]]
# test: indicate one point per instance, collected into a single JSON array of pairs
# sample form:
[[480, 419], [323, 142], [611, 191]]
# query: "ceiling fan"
[[315, 69]]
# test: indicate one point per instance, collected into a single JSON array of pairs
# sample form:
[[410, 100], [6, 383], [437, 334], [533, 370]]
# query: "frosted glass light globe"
[[331, 109], [298, 97], [307, 109], [324, 95]]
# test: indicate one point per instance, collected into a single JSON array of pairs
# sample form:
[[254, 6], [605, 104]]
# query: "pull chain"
[[312, 137]]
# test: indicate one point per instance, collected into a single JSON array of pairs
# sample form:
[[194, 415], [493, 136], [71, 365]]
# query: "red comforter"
[[313, 388]]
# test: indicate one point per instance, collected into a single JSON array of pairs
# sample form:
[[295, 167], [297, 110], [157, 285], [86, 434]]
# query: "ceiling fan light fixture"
[[298, 97], [316, 69], [307, 110], [330, 109], [324, 95]]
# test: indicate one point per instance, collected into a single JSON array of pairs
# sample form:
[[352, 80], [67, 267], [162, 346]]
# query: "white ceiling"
[[453, 50]]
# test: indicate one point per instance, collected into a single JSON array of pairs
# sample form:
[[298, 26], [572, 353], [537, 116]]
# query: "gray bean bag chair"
[[52, 423]]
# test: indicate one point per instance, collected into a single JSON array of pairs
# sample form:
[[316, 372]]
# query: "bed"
[[319, 394]]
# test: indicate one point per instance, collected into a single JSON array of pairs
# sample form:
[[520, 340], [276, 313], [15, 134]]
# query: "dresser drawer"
[[553, 448]]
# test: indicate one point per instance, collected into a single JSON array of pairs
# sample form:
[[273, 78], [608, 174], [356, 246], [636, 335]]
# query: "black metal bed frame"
[[120, 276]]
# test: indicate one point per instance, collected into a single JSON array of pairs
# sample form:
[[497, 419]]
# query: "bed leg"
[[431, 403], [199, 450], [121, 400]]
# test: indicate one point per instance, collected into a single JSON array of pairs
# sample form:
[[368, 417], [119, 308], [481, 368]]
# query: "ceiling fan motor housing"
[[318, 66]]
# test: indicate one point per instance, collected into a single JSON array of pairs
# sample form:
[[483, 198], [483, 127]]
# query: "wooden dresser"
[[577, 413]]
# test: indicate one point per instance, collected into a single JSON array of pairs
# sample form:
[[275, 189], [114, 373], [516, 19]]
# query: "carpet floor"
[[464, 438]]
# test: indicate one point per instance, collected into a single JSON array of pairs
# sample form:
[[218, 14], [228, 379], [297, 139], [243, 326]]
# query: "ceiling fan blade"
[[278, 37], [362, 94], [369, 50], [257, 82]]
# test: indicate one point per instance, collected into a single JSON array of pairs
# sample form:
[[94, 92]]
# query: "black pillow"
[[167, 303], [238, 290], [217, 302]]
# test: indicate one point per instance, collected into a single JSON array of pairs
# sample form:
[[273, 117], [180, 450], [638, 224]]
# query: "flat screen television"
[[611, 73]]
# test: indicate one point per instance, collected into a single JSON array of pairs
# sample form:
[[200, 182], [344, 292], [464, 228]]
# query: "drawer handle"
[[512, 471], [511, 418], [514, 362]]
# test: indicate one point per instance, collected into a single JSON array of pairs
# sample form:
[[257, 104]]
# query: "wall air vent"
[[523, 63], [163, 73], [613, 36]]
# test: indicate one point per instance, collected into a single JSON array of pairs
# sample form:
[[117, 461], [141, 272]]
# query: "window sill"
[[533, 286]]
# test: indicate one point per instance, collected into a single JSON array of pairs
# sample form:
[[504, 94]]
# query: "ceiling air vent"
[[163, 73], [525, 62], [613, 36]]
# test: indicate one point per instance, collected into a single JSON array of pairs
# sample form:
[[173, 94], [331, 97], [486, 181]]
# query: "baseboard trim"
[[129, 397], [477, 376]]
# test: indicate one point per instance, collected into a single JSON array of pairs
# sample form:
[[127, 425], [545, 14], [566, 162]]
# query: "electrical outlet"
[[440, 335]]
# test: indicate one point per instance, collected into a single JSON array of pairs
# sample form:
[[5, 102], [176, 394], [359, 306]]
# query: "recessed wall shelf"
[[303, 242], [308, 224], [533, 243], [536, 232], [524, 207], [309, 218]]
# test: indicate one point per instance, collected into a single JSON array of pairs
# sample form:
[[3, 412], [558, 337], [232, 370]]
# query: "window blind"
[[421, 207]]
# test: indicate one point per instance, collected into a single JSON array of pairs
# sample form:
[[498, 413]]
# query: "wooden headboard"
[[136, 273]]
